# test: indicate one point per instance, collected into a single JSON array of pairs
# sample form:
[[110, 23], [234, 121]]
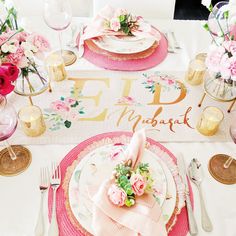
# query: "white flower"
[[28, 53], [206, 3], [12, 48], [5, 48], [26, 45]]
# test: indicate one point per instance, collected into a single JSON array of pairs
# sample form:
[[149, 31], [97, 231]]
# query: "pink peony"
[[116, 195], [60, 106], [39, 41], [214, 58], [115, 24], [138, 184]]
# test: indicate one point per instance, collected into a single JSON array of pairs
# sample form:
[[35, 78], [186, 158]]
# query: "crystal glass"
[[13, 159], [58, 16]]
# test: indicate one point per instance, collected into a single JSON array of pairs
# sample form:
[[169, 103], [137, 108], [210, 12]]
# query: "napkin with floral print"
[[143, 218]]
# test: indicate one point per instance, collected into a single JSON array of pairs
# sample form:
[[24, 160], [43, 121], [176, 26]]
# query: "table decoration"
[[32, 122], [58, 16], [210, 120], [103, 100], [196, 72], [67, 222], [118, 40], [56, 68], [13, 159], [220, 82], [21, 49]]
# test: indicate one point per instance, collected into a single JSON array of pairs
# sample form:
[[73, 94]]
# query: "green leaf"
[[81, 112], [62, 98], [67, 124], [206, 27], [122, 18]]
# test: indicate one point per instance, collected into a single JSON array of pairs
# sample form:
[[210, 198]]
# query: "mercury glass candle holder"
[[32, 122], [209, 121]]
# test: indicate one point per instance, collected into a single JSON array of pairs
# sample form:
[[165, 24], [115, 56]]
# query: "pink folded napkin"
[[98, 27], [144, 218]]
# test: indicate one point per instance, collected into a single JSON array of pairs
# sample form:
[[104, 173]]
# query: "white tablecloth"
[[20, 196]]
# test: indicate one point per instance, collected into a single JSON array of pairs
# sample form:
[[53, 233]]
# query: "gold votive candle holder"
[[210, 120], [56, 68], [196, 72], [32, 121]]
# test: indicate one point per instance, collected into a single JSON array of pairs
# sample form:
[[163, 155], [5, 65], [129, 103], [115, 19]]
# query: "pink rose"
[[8, 74], [214, 58], [39, 41], [60, 106], [116, 195], [115, 24], [138, 184]]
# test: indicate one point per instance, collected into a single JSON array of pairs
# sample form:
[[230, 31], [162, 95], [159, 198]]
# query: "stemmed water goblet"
[[58, 16], [223, 167], [13, 159]]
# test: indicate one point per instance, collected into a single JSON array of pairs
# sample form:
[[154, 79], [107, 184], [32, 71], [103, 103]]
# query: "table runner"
[[92, 102]]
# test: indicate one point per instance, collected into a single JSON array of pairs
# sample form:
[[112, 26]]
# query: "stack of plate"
[[97, 165]]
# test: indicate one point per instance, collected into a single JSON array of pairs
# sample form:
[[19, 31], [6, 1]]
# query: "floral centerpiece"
[[129, 183], [19, 47], [221, 57]]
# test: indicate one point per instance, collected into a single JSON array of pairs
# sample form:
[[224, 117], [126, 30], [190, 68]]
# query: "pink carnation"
[[18, 58], [116, 195], [138, 184], [39, 41], [214, 58]]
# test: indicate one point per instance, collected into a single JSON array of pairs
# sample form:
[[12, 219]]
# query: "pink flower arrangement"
[[222, 60], [8, 74], [129, 183]]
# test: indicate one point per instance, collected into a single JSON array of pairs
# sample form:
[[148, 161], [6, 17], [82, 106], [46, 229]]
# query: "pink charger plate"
[[66, 227], [105, 62]]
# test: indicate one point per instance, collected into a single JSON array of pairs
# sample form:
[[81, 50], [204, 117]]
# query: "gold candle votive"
[[32, 122], [209, 121], [56, 68], [196, 72]]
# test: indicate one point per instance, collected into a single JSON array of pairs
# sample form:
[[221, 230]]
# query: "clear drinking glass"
[[58, 16], [13, 159]]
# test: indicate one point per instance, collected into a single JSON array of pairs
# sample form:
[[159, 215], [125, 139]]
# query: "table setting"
[[117, 125]]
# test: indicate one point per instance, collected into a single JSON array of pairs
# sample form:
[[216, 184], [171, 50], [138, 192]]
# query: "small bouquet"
[[129, 183], [221, 58], [8, 75], [125, 22], [19, 47]]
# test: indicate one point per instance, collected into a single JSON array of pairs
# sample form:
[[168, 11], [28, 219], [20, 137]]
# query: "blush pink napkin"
[[143, 218], [97, 27]]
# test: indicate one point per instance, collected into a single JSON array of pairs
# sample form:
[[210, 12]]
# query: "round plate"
[[124, 44], [91, 171]]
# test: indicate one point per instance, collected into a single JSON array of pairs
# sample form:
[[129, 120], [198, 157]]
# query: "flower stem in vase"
[[30, 85]]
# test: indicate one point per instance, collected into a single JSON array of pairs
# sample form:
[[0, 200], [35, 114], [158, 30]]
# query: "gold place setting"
[[116, 119]]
